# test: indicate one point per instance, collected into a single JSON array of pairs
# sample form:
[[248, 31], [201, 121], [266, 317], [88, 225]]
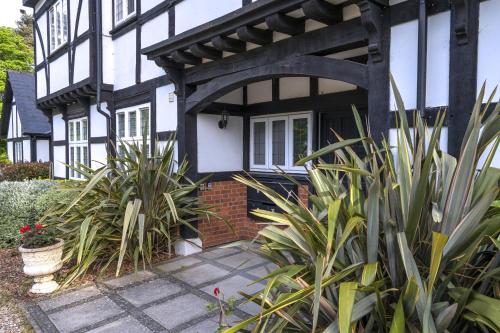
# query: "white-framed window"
[[78, 145], [280, 141], [18, 152], [58, 20], [131, 124], [123, 10]]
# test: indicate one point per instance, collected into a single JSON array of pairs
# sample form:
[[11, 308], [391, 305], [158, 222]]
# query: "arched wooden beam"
[[322, 11], [255, 35], [228, 44], [313, 66], [203, 51], [286, 24]]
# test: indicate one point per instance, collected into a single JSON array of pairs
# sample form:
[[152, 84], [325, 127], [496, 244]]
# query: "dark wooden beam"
[[203, 51], [422, 56], [314, 66], [313, 42], [322, 11], [228, 44], [464, 28], [255, 35], [285, 24], [185, 58]]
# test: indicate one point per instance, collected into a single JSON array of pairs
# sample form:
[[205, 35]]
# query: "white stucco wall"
[[27, 150], [124, 60], [82, 64], [10, 151], [42, 150], [488, 66], [59, 78], [59, 161], [98, 121], [294, 87], [234, 97], [41, 84], [403, 62], [166, 110], [219, 149], [59, 128], [99, 155], [259, 92]]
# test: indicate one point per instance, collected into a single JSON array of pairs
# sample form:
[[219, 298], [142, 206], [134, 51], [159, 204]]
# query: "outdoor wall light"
[[223, 119]]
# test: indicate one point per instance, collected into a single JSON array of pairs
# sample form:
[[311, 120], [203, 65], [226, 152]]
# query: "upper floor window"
[[123, 10], [58, 19], [280, 141], [131, 125], [78, 145]]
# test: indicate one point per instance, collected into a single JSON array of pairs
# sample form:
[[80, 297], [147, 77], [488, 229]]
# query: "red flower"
[[24, 229], [38, 226], [23, 238], [216, 291]]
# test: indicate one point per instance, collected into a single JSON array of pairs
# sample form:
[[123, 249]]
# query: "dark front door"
[[342, 123]]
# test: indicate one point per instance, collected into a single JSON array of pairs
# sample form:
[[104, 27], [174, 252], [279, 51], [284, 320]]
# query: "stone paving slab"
[[149, 292], [178, 264], [201, 274], [178, 310], [123, 325], [84, 315], [130, 279], [171, 298], [68, 298]]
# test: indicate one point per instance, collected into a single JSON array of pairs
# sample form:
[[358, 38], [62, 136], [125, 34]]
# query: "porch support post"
[[463, 69], [186, 147], [375, 18]]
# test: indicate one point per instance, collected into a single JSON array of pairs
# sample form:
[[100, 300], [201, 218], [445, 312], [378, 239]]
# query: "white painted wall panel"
[[59, 128], [259, 92], [59, 78], [488, 68], [41, 84], [27, 150], [148, 4], [149, 70], [155, 30], [191, 13], [294, 87], [438, 59], [166, 111], [99, 155], [83, 24], [82, 63], [403, 62], [124, 62], [59, 161], [15, 129], [42, 150], [10, 151], [219, 150], [98, 121], [234, 97], [108, 64], [42, 25]]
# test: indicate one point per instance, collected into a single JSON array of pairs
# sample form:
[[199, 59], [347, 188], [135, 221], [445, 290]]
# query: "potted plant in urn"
[[42, 253]]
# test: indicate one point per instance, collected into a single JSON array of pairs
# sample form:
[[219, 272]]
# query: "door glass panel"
[[85, 156], [278, 145], [84, 129], [300, 130], [259, 143], [72, 161], [145, 121], [78, 131], [121, 125], [71, 131]]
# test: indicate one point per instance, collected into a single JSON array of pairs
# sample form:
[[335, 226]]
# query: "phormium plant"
[[403, 242]]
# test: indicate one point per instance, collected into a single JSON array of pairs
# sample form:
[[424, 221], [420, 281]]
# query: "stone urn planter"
[[41, 263]]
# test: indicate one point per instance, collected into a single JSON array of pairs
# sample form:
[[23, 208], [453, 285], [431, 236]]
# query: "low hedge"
[[20, 203], [24, 171]]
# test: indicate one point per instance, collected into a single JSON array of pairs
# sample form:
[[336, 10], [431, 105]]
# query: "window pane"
[[145, 121], [119, 10], [300, 134], [131, 6], [259, 143], [52, 29], [121, 125], [71, 131], [64, 21], [72, 161], [278, 129], [58, 24], [85, 156], [78, 131], [84, 130], [132, 124]]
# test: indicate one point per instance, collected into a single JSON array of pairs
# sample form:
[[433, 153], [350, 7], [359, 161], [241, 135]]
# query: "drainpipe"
[[422, 56], [98, 47]]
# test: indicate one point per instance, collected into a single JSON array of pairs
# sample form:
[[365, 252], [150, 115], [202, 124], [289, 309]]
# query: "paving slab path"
[[172, 297]]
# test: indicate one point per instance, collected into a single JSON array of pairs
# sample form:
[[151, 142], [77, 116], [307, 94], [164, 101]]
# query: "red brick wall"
[[229, 199]]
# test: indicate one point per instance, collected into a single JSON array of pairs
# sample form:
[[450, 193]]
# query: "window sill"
[[123, 27], [56, 53]]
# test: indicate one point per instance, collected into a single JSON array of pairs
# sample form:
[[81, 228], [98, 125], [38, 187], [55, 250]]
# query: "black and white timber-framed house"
[[251, 85], [25, 127]]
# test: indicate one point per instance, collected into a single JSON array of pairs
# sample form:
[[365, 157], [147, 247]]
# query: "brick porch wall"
[[229, 199]]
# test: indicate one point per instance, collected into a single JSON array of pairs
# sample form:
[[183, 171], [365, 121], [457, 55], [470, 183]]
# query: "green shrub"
[[24, 171], [128, 210], [411, 246], [20, 203]]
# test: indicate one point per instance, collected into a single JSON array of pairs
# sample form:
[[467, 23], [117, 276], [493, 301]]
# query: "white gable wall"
[[42, 26]]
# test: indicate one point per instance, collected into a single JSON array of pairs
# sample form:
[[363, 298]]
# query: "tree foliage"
[[25, 29]]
